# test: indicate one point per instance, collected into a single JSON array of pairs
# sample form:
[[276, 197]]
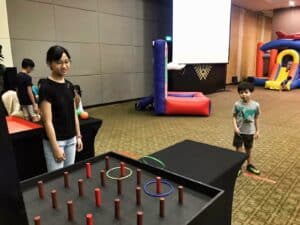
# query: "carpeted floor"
[[271, 199]]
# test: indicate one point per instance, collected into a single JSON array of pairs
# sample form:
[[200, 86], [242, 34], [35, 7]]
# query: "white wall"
[[109, 42], [4, 35]]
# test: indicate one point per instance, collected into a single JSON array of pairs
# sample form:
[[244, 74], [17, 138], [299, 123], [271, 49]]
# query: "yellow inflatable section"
[[283, 71], [276, 84]]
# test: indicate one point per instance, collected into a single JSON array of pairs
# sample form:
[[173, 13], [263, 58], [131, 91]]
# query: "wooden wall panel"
[[268, 30], [234, 37], [247, 28], [249, 43]]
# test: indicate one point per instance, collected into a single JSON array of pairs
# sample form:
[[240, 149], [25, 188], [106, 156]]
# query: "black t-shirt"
[[23, 81], [61, 97]]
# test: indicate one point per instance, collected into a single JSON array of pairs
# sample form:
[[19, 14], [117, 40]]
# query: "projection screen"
[[201, 31]]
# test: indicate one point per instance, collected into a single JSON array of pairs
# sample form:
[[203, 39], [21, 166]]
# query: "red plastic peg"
[[162, 207], [54, 199], [102, 177], [138, 195], [117, 208], [122, 169], [98, 197], [41, 189], [88, 170], [89, 219], [158, 185], [180, 195], [37, 220], [70, 210], [138, 177], [107, 163], [80, 187], [66, 179], [139, 218], [119, 186]]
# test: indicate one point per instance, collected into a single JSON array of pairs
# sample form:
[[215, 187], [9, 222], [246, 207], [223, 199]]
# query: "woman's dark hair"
[[244, 85], [78, 89], [55, 52], [27, 63]]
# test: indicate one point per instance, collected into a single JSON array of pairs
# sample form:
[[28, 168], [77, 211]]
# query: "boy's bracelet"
[[78, 136]]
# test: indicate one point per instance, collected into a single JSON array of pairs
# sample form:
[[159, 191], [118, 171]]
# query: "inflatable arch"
[[278, 71], [281, 71]]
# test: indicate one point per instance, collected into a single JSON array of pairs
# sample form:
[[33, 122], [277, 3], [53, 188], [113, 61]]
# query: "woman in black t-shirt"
[[56, 100]]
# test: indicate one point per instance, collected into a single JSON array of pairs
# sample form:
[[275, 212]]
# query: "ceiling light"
[[291, 3]]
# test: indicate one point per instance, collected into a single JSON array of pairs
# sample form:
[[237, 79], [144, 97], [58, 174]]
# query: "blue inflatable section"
[[159, 70], [296, 81], [260, 81], [295, 84], [281, 43]]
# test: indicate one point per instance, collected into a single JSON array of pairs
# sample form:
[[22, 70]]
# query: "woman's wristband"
[[78, 136]]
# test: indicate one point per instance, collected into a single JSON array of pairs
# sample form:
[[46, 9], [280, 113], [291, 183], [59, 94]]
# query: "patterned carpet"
[[271, 199]]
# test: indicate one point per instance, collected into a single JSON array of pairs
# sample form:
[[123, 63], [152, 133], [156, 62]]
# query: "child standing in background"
[[78, 102], [24, 92], [245, 123]]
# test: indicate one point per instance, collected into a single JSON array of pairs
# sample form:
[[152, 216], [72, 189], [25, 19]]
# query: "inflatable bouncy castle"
[[283, 62], [167, 102]]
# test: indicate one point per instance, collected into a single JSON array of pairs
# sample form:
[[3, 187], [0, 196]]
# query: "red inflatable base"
[[187, 103]]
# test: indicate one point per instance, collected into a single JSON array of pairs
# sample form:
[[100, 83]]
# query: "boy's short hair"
[[244, 85], [27, 63]]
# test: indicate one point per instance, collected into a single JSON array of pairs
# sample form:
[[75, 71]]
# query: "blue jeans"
[[69, 147]]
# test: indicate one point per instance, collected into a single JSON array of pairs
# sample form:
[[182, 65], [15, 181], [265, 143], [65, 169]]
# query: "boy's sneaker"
[[252, 169]]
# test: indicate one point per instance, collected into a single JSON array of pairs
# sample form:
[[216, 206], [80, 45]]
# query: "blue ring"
[[161, 194]]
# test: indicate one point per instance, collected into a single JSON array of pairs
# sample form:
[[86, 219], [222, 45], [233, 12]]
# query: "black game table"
[[18, 201], [28, 147], [209, 164], [199, 207], [89, 129]]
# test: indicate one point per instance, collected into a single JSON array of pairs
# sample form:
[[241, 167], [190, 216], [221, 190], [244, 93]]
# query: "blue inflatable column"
[[160, 72]]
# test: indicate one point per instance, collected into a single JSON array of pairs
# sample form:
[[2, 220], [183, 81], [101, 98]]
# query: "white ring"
[[118, 178]]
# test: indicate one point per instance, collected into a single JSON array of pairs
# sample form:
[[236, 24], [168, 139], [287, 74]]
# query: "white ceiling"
[[264, 5]]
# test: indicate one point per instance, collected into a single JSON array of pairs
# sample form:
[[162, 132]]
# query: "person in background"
[[283, 84], [24, 91], [35, 89], [57, 105], [78, 102], [289, 65], [11, 103]]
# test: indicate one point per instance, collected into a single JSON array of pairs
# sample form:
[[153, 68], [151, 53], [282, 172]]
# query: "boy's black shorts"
[[246, 139]]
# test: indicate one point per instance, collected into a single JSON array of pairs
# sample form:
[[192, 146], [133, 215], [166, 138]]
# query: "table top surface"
[[200, 161], [16, 125], [90, 120]]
